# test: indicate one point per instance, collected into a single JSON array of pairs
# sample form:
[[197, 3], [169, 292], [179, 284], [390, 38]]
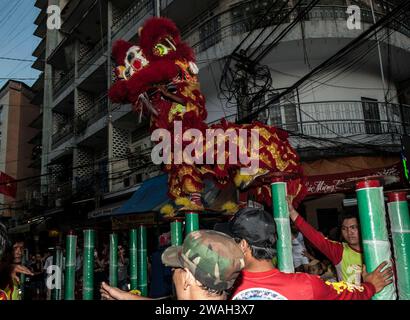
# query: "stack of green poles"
[[191, 222], [176, 233], [142, 260], [133, 259], [376, 245], [70, 264], [281, 216], [88, 265], [400, 229], [113, 276]]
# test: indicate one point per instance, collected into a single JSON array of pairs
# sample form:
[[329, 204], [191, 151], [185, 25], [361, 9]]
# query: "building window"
[[291, 117], [275, 114], [371, 115]]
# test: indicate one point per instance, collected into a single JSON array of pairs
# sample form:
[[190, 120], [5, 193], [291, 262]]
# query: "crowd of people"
[[235, 261]]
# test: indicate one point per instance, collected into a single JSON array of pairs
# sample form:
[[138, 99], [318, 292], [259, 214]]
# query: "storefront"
[[328, 185]]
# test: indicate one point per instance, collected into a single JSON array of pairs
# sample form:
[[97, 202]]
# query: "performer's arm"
[[340, 290], [373, 283], [331, 249]]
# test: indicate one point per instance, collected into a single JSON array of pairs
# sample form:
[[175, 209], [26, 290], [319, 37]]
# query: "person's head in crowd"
[[38, 257], [255, 231], [205, 266], [350, 228], [315, 267], [18, 250]]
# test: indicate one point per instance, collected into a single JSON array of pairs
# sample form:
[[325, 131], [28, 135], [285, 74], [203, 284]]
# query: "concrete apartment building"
[[17, 112], [96, 154]]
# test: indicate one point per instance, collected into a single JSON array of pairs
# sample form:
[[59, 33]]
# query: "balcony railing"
[[96, 112], [63, 83], [62, 135], [338, 119], [132, 15], [242, 18], [92, 55]]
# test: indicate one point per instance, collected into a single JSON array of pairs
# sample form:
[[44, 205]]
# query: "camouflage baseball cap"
[[213, 258]]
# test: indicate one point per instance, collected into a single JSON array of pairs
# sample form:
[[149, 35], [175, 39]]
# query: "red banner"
[[8, 185], [331, 183]]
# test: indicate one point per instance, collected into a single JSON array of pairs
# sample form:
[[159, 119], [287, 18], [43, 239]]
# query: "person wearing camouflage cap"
[[207, 263], [205, 267]]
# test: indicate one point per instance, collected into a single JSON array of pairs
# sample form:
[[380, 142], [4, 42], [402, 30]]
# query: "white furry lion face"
[[134, 61]]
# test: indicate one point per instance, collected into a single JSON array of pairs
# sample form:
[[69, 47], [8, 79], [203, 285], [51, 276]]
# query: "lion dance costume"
[[160, 74]]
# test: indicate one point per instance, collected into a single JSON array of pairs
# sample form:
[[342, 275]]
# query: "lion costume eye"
[[130, 57], [161, 50]]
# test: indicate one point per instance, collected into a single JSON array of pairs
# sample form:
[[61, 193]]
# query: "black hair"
[[348, 215], [262, 253], [266, 252], [6, 267], [17, 238]]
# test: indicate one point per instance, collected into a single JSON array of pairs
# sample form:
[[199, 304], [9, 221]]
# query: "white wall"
[[348, 86]]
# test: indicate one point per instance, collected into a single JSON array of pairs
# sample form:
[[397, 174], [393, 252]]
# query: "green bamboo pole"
[[142, 260], [400, 229], [281, 216], [113, 260], [192, 222], [88, 265], [376, 245], [70, 263], [24, 260], [133, 259], [176, 233]]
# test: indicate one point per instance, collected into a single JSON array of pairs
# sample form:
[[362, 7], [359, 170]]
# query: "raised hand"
[[378, 278]]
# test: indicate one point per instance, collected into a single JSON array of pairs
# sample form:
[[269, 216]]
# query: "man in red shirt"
[[254, 230], [345, 256]]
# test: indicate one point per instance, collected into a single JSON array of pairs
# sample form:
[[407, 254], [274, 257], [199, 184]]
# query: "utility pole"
[[157, 8]]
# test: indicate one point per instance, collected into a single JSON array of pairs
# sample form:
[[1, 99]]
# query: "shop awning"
[[151, 196], [332, 183], [106, 210]]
